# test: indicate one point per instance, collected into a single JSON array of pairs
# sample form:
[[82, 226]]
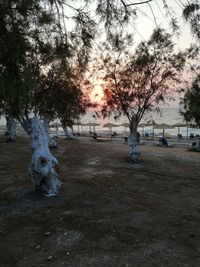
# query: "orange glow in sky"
[[97, 93]]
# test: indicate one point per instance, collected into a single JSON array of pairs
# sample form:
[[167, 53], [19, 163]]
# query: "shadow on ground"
[[109, 212]]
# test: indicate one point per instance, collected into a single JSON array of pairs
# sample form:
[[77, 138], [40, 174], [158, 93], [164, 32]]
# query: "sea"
[[167, 115]]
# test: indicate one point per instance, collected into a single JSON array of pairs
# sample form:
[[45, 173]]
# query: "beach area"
[[110, 212], [100, 133], [167, 115]]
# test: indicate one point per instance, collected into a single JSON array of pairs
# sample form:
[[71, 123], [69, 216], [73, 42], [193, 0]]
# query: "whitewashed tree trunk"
[[133, 152], [52, 143], [11, 128], [43, 165], [67, 133], [198, 146]]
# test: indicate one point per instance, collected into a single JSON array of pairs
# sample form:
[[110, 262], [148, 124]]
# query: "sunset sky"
[[148, 17], [146, 22]]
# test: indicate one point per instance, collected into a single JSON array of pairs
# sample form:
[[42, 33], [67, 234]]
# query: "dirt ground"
[[110, 212]]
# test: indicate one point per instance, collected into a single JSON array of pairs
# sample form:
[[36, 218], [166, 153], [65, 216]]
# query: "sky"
[[150, 16], [147, 18], [145, 22], [145, 25]]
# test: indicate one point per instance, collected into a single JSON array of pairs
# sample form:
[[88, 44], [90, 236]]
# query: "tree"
[[33, 40], [191, 103], [23, 50], [10, 129], [191, 99], [62, 97], [136, 82], [191, 14]]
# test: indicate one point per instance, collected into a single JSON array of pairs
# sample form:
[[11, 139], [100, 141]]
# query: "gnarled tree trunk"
[[52, 143], [66, 131], [43, 165], [132, 141], [11, 128]]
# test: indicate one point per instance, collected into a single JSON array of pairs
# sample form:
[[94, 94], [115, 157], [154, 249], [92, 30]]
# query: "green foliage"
[[138, 81], [191, 103], [34, 42], [114, 14], [191, 13], [60, 96], [191, 100]]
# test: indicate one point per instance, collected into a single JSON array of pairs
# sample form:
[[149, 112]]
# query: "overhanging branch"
[[135, 4]]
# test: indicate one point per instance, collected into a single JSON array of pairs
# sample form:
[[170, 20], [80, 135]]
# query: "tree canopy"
[[63, 97], [34, 42], [191, 99], [38, 36], [191, 103], [191, 13], [137, 81]]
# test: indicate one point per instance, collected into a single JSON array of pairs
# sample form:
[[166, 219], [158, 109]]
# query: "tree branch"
[[135, 4], [119, 95]]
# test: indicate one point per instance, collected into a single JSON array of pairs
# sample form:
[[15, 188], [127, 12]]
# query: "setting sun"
[[97, 93]]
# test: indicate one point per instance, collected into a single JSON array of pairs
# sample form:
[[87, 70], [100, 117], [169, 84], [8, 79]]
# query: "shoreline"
[[120, 137], [122, 131]]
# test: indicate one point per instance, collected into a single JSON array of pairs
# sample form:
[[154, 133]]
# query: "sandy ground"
[[110, 212]]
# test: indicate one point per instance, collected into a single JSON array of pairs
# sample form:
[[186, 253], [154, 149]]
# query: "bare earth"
[[110, 212]]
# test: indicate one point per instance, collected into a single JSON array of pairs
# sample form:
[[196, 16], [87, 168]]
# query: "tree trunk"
[[198, 146], [133, 142], [67, 133], [11, 128], [52, 143], [43, 165]]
